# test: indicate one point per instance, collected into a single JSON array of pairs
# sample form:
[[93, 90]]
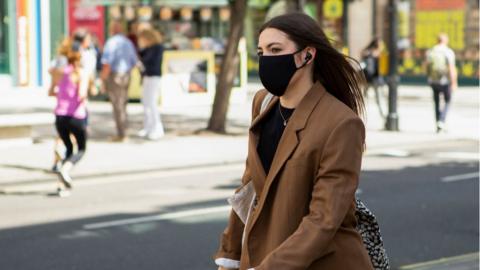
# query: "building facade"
[[30, 30]]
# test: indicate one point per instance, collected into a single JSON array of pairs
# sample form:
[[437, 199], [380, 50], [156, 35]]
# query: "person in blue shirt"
[[118, 59]]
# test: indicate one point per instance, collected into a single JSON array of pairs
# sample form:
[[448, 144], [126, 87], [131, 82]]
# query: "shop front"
[[194, 35]]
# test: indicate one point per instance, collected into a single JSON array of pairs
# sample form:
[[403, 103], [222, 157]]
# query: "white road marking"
[[467, 261], [459, 155], [166, 216], [392, 153], [460, 177], [146, 175]]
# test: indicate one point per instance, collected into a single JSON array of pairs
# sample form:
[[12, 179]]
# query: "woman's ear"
[[310, 54]]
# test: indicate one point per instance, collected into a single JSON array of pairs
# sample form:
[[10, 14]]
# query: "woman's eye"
[[259, 53], [275, 50]]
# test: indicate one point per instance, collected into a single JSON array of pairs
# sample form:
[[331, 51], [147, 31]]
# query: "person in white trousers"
[[151, 54]]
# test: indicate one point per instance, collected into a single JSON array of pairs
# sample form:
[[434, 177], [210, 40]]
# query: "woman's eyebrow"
[[270, 45], [273, 43]]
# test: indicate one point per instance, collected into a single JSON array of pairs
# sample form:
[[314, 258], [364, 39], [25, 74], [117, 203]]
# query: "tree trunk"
[[320, 12], [228, 68], [295, 5]]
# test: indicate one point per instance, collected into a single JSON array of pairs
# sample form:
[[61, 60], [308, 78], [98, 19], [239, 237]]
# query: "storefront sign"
[[403, 25], [333, 9], [440, 16], [108, 2], [88, 17], [403, 19], [440, 4], [430, 23]]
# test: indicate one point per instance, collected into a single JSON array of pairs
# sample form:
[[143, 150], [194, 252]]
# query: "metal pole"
[[392, 117]]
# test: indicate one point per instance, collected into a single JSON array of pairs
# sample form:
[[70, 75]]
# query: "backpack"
[[437, 65]]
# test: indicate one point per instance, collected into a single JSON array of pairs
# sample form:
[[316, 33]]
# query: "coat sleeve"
[[231, 238], [332, 196]]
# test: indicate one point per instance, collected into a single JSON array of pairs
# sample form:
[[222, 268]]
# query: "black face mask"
[[276, 71]]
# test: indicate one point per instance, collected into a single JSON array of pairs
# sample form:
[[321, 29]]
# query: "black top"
[[371, 70], [152, 60], [271, 131]]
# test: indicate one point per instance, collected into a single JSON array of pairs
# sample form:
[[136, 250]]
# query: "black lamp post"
[[393, 79]]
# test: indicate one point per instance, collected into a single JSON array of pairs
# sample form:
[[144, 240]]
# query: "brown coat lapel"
[[258, 172], [286, 146]]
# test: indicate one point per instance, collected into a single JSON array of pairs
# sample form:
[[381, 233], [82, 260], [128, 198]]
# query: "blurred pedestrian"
[[370, 62], [132, 35], [88, 61], [71, 109], [442, 77], [118, 58], [58, 63], [88, 57], [56, 66], [151, 55], [305, 150]]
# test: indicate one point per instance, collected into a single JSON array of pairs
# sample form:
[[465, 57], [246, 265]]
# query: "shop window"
[[420, 23]]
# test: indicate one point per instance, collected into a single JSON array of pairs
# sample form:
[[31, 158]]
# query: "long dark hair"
[[340, 74]]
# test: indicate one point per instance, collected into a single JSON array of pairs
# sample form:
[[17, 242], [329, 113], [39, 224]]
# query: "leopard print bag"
[[372, 239]]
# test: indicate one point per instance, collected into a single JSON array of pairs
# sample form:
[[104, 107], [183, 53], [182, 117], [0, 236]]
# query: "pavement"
[[26, 166], [184, 146]]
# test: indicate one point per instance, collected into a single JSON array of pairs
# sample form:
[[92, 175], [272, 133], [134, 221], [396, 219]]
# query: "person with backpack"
[[442, 77]]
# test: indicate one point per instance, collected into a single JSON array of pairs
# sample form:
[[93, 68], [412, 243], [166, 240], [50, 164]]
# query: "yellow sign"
[[333, 9], [430, 23], [467, 69], [403, 19]]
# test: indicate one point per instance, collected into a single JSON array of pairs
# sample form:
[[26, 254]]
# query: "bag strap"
[[266, 100]]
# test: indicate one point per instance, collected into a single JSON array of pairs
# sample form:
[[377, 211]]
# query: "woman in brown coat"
[[304, 157]]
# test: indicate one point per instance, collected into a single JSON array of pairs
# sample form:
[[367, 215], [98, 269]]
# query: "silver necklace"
[[281, 114]]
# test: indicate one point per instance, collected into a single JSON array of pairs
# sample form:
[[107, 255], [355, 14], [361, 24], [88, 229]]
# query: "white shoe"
[[142, 133], [63, 192], [65, 175], [155, 136], [441, 127]]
